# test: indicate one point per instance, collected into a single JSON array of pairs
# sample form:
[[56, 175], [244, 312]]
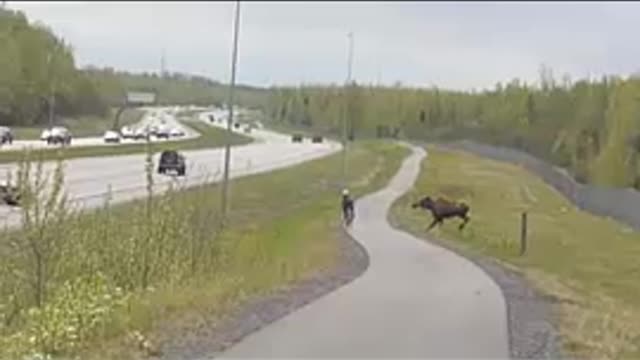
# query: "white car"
[[162, 131], [111, 136], [176, 132], [46, 133], [58, 135], [127, 132], [141, 133]]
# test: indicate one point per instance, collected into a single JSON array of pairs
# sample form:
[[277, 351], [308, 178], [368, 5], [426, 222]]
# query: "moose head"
[[425, 203]]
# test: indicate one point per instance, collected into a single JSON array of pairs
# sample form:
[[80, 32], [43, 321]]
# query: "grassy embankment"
[[587, 264], [136, 267]]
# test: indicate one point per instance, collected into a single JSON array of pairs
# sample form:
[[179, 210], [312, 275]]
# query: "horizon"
[[455, 46]]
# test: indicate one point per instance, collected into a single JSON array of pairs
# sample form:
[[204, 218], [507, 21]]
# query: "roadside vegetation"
[[99, 283], [585, 125], [586, 264]]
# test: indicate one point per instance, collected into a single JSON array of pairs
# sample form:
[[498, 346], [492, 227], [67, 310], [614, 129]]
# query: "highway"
[[88, 179], [148, 118]]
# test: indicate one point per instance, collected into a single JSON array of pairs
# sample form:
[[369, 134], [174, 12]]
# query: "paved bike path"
[[415, 300]]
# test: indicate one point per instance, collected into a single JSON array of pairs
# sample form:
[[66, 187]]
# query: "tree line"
[[589, 126], [170, 88], [37, 69]]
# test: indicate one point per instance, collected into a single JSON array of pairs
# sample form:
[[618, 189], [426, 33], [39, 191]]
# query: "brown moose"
[[442, 209]]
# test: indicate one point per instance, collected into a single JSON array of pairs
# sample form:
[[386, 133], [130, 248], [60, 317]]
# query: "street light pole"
[[346, 112], [227, 147], [52, 90]]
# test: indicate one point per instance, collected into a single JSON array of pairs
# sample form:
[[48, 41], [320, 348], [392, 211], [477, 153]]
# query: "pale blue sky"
[[450, 44]]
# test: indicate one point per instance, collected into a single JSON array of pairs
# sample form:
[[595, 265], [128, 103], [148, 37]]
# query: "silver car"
[[59, 135]]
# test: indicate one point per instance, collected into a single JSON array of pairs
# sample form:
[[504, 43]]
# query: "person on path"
[[348, 211]]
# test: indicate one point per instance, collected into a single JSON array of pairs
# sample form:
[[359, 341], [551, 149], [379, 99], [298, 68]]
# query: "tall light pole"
[[162, 65], [346, 111], [227, 147], [52, 89]]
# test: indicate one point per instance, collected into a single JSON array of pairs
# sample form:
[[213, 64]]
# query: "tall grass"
[[67, 269], [585, 264], [71, 278]]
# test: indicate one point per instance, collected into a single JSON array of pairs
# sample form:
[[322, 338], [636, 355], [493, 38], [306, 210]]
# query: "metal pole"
[[52, 104], [346, 112], [523, 234], [52, 90], [162, 64], [227, 147]]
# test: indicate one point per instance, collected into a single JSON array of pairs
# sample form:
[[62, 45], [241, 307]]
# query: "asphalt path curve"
[[88, 179], [416, 300]]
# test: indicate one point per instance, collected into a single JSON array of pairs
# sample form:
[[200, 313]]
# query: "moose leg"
[[465, 219], [433, 223]]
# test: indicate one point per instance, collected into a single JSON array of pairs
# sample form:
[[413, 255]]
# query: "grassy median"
[[83, 126], [131, 269], [210, 137], [587, 264]]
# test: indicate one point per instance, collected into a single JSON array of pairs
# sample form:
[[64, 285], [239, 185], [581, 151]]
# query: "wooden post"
[[523, 234]]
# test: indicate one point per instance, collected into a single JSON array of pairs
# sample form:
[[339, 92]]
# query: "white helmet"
[[345, 192]]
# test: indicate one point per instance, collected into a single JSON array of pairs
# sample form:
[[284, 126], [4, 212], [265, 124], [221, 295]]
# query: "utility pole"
[[52, 89], [162, 65], [52, 104], [346, 111], [227, 147]]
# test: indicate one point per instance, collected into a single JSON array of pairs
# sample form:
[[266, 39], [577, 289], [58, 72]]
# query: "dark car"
[[316, 139], [9, 195], [6, 135], [171, 160], [296, 138], [236, 125]]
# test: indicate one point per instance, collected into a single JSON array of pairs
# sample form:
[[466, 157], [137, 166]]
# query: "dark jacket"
[[347, 203]]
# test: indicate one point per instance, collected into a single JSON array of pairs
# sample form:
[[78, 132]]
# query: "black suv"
[[172, 160], [296, 138], [9, 195]]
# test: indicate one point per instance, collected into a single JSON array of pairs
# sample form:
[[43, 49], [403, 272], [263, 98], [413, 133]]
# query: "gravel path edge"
[[532, 334], [212, 340]]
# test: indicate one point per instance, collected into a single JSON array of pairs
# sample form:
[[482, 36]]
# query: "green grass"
[[588, 264], [84, 126], [210, 137], [283, 226]]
